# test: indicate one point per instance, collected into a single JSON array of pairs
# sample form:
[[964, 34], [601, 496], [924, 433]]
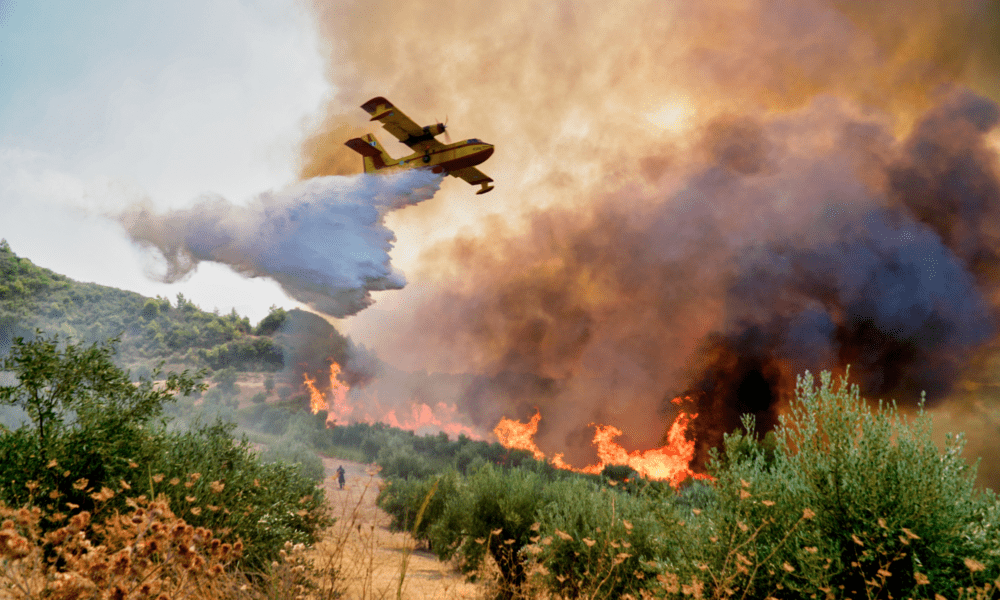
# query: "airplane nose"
[[488, 152]]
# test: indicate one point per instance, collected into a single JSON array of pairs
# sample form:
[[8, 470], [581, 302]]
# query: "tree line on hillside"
[[151, 330]]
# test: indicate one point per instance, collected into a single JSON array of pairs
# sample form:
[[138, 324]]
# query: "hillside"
[[152, 329]]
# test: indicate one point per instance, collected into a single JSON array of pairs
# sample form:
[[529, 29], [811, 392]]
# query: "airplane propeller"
[[444, 129]]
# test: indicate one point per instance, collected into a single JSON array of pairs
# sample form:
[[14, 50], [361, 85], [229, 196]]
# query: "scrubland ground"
[[371, 557]]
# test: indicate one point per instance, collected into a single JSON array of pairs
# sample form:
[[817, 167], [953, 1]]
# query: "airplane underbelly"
[[469, 160]]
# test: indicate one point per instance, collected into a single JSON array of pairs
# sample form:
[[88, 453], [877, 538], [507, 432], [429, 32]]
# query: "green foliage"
[[87, 418], [873, 475], [263, 504], [494, 512], [298, 454], [149, 329], [846, 495], [226, 378], [94, 438], [399, 462], [246, 353], [401, 499], [150, 309], [87, 421], [596, 541], [272, 322]]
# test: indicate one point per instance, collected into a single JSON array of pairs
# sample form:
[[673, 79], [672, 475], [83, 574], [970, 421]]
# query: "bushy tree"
[[495, 512], [89, 422], [402, 499], [215, 481]]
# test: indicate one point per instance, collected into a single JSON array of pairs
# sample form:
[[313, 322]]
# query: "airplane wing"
[[475, 177], [398, 124]]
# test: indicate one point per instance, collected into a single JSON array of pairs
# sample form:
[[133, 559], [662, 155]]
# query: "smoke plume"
[[324, 240], [693, 198]]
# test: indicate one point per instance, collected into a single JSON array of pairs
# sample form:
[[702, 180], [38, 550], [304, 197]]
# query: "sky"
[[104, 104]]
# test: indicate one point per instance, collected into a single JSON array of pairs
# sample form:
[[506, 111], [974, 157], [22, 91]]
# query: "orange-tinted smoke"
[[564, 299], [561, 85]]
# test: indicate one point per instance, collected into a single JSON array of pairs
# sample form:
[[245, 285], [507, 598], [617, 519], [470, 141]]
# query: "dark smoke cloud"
[[323, 240], [795, 245]]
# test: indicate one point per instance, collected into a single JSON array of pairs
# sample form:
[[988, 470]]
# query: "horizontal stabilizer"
[[362, 147]]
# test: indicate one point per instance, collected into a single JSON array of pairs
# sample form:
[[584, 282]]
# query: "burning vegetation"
[[669, 463]]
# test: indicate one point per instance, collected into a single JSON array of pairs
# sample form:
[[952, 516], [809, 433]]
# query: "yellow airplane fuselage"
[[451, 157]]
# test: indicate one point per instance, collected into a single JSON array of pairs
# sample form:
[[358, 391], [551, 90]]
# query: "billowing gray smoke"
[[323, 240]]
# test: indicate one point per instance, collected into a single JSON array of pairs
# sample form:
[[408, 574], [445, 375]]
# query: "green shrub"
[[272, 322], [274, 420], [847, 496], [400, 462], [226, 378], [593, 541], [88, 421], [292, 452], [495, 512], [96, 439], [402, 498], [877, 477], [217, 482]]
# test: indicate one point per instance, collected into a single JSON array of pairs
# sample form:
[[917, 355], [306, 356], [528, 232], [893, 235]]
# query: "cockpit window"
[[475, 141]]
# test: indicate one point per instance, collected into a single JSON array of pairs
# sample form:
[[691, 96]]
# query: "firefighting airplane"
[[458, 159]]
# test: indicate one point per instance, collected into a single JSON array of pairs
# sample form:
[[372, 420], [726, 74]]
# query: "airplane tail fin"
[[375, 156]]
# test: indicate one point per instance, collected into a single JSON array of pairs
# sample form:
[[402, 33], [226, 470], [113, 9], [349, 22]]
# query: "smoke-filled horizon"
[[692, 198], [323, 240]]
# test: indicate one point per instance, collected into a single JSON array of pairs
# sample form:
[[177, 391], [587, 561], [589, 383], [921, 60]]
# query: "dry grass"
[[372, 562]]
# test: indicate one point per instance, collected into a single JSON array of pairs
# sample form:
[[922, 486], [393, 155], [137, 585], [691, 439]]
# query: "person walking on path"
[[340, 476]]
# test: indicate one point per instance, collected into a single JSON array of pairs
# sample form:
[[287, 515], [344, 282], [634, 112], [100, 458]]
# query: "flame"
[[442, 417], [337, 407], [520, 436], [668, 463], [424, 416], [316, 400]]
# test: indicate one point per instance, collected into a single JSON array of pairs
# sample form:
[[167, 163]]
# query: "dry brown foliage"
[[147, 552]]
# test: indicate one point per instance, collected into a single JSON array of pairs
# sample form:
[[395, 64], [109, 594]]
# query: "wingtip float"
[[458, 159]]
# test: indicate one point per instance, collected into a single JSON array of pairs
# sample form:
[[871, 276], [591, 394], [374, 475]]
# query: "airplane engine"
[[437, 129]]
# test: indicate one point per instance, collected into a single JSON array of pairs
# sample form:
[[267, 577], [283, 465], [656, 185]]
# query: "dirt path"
[[372, 556]]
